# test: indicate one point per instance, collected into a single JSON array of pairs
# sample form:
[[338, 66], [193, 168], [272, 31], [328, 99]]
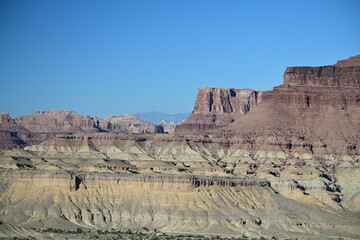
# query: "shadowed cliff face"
[[11, 133], [290, 167], [218, 107]]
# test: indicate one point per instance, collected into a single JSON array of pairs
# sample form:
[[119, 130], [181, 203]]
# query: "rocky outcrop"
[[5, 119], [33, 129], [350, 62], [169, 127], [8, 123], [11, 133], [327, 116], [57, 122], [128, 124], [188, 183], [345, 73], [288, 168], [10, 140], [218, 107]]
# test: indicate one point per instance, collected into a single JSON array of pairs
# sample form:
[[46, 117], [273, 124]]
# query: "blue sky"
[[115, 57]]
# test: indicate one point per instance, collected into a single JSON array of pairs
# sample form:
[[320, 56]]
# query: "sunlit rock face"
[[345, 73], [128, 124], [218, 107], [33, 129], [289, 168], [313, 107], [57, 122]]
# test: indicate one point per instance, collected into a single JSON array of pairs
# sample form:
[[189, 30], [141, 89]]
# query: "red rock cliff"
[[318, 107], [345, 73], [218, 107]]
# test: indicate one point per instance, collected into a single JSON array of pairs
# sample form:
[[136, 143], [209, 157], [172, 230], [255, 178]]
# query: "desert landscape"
[[281, 164]]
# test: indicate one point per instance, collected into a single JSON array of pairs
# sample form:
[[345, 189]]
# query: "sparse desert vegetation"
[[144, 234]]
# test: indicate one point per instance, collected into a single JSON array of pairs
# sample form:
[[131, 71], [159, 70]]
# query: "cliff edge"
[[218, 107]]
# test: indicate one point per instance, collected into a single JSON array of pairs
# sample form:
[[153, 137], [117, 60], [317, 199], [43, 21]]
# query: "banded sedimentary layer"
[[43, 125], [218, 107], [290, 167]]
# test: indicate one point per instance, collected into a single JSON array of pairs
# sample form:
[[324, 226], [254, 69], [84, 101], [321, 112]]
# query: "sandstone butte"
[[289, 167], [218, 107]]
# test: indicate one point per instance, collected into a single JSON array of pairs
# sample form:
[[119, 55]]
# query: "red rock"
[[33, 129], [350, 62], [57, 122], [345, 73], [10, 140], [324, 114], [12, 135], [218, 107]]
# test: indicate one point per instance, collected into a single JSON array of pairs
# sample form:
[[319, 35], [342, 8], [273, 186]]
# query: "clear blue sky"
[[115, 57]]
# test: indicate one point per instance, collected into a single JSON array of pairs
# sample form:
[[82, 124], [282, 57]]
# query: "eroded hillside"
[[289, 168]]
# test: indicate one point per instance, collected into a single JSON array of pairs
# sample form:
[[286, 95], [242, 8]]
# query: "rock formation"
[[345, 73], [57, 122], [327, 116], [169, 127], [289, 168], [129, 124], [218, 107], [11, 133], [181, 183], [350, 62], [33, 129], [10, 140]]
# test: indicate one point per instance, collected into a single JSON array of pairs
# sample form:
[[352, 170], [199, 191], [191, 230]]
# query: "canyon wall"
[[218, 107], [345, 73]]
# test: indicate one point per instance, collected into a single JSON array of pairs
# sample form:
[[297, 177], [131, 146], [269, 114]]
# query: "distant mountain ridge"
[[156, 117]]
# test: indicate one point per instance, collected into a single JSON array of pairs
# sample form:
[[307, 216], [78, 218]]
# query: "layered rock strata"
[[218, 107], [326, 116], [11, 133], [345, 73], [288, 168], [189, 183], [33, 129], [57, 122], [129, 124]]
